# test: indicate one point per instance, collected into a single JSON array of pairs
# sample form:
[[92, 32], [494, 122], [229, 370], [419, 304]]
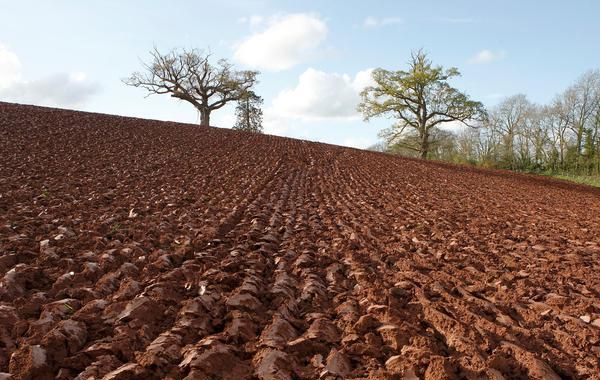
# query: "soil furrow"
[[139, 249]]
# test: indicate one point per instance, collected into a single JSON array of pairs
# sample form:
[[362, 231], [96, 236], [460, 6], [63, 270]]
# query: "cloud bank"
[[58, 90], [321, 95], [10, 67], [287, 41]]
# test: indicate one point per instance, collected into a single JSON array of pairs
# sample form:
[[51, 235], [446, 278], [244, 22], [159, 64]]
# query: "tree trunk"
[[424, 145], [205, 118], [248, 114], [510, 150]]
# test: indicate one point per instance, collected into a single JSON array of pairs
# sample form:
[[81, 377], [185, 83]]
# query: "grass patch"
[[584, 179]]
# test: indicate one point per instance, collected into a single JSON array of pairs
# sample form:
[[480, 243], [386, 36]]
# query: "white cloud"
[[10, 67], [363, 79], [320, 95], [276, 124], [373, 22], [487, 56], [61, 89], [287, 41], [223, 118], [370, 22]]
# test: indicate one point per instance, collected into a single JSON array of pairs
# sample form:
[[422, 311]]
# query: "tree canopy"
[[420, 99]]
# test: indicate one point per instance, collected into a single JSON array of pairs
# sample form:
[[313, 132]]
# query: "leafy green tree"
[[420, 99], [248, 113]]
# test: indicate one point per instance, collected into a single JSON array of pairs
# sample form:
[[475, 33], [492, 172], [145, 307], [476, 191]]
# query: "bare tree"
[[584, 100], [467, 144], [421, 99], [536, 136], [188, 75], [488, 145], [508, 119], [595, 136], [557, 120]]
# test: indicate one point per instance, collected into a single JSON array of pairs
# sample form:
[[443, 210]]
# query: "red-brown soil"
[[138, 249]]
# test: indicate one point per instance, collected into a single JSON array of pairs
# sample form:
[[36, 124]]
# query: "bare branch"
[[188, 75]]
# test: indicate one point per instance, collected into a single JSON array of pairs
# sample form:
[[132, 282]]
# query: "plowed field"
[[138, 249]]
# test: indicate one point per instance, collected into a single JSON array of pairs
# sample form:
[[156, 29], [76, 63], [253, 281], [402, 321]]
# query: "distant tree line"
[[562, 137]]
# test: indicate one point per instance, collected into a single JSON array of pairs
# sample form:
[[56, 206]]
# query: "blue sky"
[[314, 56]]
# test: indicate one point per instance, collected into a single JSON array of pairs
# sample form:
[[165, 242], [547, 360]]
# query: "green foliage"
[[420, 99], [248, 113], [561, 139], [586, 180]]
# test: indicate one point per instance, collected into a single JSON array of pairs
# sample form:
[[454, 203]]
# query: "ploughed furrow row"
[[457, 312], [139, 249]]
